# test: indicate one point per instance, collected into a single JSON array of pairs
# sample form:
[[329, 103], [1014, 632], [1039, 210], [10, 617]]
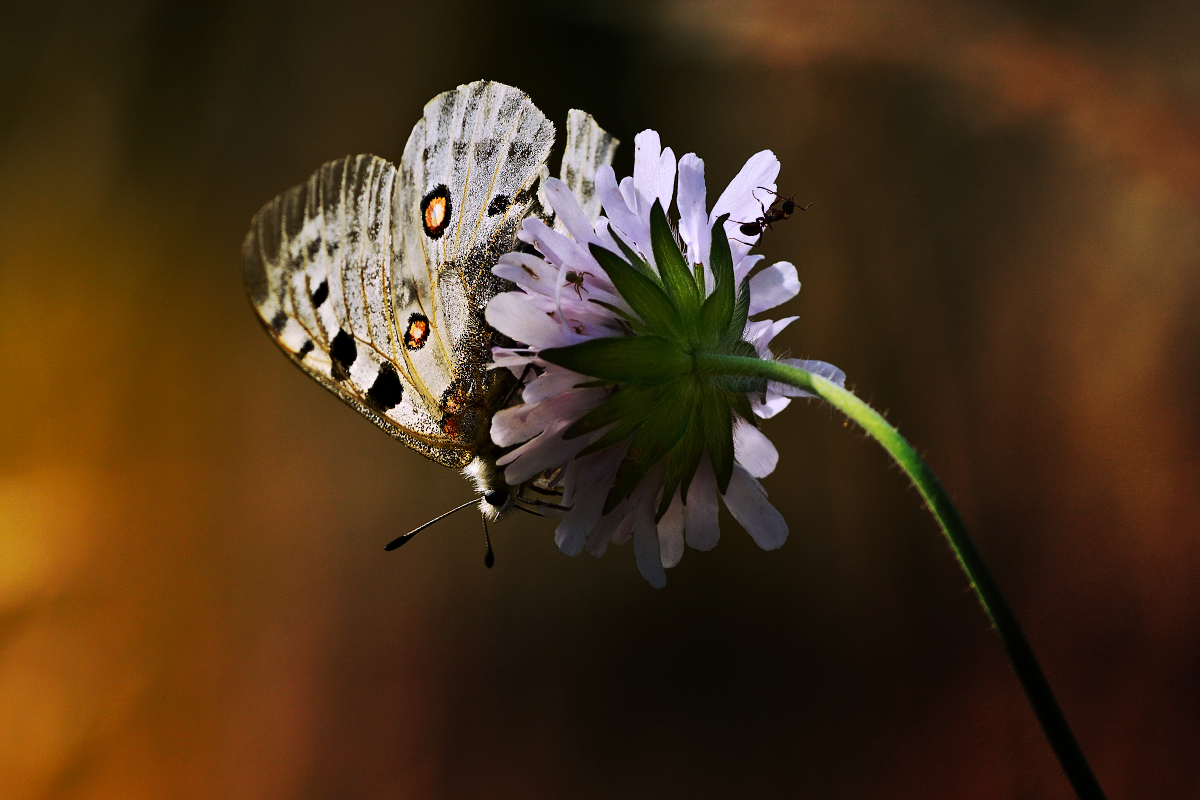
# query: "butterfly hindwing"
[[374, 279]]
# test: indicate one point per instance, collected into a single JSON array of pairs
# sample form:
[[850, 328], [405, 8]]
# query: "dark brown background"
[[1003, 252]]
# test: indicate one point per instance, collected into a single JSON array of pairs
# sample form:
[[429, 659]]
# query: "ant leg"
[[519, 384]]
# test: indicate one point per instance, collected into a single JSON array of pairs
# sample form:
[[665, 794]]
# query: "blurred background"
[[1003, 252]]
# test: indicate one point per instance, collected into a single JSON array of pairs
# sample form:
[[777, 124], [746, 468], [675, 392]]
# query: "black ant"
[[786, 208]]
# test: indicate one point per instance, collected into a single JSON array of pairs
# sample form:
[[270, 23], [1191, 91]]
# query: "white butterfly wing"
[[373, 278]]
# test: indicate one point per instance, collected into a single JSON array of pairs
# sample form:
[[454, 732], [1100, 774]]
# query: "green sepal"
[[718, 435], [624, 315], [623, 430], [716, 314], [626, 401], [677, 280], [741, 312], [644, 295], [685, 459], [744, 408], [660, 432], [634, 259], [647, 360]]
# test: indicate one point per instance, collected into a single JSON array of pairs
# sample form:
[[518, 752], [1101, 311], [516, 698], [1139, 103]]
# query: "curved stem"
[[1024, 663]]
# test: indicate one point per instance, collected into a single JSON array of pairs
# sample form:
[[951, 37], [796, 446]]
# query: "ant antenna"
[[489, 558], [399, 540]]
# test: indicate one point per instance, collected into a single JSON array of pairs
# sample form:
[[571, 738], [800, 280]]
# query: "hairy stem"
[[1024, 663]]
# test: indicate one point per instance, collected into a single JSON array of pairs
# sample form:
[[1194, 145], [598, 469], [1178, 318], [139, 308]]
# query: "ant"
[[575, 279], [772, 214]]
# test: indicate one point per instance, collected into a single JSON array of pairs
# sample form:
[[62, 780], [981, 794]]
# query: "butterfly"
[[373, 278]]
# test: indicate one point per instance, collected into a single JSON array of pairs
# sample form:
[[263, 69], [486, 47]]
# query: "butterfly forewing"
[[374, 278]]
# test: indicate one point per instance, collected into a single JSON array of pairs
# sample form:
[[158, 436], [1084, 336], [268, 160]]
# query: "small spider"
[[576, 279]]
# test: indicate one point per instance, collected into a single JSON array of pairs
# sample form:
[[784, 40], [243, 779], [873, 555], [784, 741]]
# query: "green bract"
[[665, 405]]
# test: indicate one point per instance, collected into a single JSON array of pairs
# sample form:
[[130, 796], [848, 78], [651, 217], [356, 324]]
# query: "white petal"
[[521, 423], [585, 485], [693, 218], [645, 545], [622, 217], [754, 450], [743, 265], [670, 533], [566, 206], [513, 359], [531, 273], [703, 528], [554, 381], [765, 334], [743, 199], [514, 315], [748, 504], [772, 286], [773, 405], [653, 172], [827, 371]]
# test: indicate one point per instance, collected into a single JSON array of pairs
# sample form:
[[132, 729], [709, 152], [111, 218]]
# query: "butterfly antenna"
[[399, 540], [489, 558], [535, 502]]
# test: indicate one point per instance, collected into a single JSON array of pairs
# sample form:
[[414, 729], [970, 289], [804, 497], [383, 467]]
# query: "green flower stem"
[[1029, 672]]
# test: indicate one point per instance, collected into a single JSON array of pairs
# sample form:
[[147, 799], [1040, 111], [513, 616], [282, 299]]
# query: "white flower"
[[567, 298]]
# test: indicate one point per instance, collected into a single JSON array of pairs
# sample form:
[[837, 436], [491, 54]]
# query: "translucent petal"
[[754, 450], [773, 286], [748, 504], [700, 518], [670, 533]]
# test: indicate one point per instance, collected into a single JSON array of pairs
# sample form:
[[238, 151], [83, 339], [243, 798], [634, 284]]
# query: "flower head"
[[622, 317]]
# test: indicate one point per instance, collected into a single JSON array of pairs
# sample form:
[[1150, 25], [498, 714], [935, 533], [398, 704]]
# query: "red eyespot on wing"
[[417, 332]]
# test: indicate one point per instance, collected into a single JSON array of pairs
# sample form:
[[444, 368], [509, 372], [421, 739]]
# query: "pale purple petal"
[[566, 206], [645, 543], [629, 192], [701, 523], [743, 265], [531, 273], [765, 334], [748, 504], [772, 286], [743, 200], [585, 486], [773, 405], [521, 423], [510, 313], [739, 198], [754, 450], [827, 371], [551, 383], [618, 212], [670, 533], [599, 537], [653, 172], [693, 218]]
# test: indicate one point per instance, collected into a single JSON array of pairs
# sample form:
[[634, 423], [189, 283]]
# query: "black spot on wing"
[[343, 352], [321, 294], [386, 392], [498, 205]]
